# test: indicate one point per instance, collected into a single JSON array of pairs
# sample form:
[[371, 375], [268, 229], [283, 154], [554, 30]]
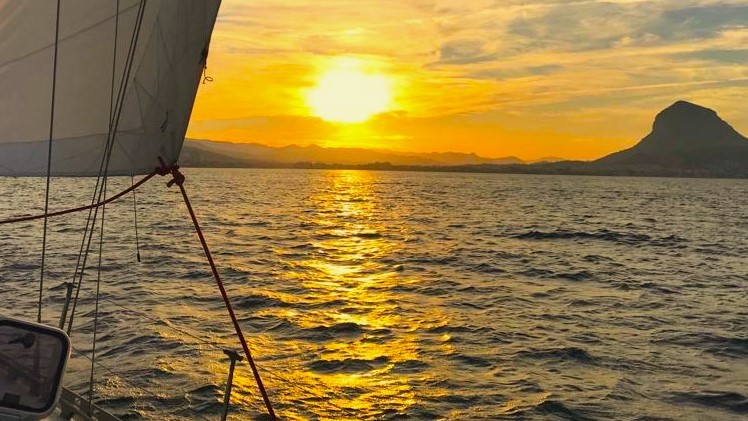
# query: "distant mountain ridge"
[[686, 140], [254, 153]]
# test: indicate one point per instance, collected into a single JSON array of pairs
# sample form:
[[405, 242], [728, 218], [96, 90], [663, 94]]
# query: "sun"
[[348, 94]]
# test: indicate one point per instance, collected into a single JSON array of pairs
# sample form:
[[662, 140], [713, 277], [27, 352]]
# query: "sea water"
[[402, 295]]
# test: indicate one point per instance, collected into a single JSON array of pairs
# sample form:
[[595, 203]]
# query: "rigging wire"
[[114, 64], [96, 305], [85, 235], [113, 125], [103, 167], [135, 213], [103, 213], [91, 215], [49, 161]]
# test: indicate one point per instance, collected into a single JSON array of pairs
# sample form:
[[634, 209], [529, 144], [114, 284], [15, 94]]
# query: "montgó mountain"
[[686, 139]]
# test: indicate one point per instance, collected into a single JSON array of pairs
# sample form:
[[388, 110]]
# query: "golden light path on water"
[[339, 342], [365, 302]]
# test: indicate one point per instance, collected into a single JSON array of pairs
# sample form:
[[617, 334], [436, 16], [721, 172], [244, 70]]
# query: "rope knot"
[[164, 170], [178, 177]]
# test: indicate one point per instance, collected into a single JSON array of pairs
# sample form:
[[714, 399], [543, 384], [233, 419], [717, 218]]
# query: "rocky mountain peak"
[[686, 139], [687, 119]]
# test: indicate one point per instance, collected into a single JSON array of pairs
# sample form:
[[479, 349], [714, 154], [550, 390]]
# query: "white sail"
[[165, 72]]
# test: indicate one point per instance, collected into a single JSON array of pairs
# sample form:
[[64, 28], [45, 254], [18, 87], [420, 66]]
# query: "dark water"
[[387, 295]]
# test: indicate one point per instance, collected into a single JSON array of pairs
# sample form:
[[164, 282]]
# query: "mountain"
[[546, 159], [686, 139], [264, 155], [210, 153], [197, 157]]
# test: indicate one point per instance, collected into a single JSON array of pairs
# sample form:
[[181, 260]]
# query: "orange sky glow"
[[524, 78]]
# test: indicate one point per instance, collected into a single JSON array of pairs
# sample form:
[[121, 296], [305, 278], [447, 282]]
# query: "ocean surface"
[[402, 295]]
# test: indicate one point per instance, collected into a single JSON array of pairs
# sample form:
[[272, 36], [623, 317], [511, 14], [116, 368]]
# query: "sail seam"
[[73, 35]]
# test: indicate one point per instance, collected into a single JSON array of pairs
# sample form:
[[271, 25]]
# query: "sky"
[[525, 78]]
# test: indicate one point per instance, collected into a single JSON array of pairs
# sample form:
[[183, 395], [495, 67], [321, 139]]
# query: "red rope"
[[179, 181], [81, 208]]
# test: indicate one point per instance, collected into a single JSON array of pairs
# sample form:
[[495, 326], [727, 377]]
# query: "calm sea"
[[400, 295]]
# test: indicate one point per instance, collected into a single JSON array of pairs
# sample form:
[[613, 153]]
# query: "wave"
[[140, 345], [487, 268], [602, 235], [256, 301], [571, 354], [410, 367], [368, 235], [734, 347], [541, 403], [534, 307], [339, 331], [348, 365], [582, 275], [471, 361], [578, 276], [729, 401], [560, 410]]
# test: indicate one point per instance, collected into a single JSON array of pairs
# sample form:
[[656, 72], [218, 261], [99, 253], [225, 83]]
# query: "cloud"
[[594, 46], [577, 27], [464, 51], [690, 23], [721, 56], [516, 72]]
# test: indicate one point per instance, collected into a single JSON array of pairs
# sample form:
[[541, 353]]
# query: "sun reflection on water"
[[355, 327]]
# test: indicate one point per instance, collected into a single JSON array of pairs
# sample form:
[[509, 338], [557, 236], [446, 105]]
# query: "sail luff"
[[210, 25]]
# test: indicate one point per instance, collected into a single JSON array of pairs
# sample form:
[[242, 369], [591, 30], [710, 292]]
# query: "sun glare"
[[348, 94]]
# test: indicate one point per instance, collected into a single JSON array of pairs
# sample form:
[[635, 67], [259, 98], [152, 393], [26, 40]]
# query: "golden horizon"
[[525, 80]]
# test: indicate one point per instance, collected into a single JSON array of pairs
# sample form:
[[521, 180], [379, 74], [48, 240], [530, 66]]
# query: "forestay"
[[166, 67]]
